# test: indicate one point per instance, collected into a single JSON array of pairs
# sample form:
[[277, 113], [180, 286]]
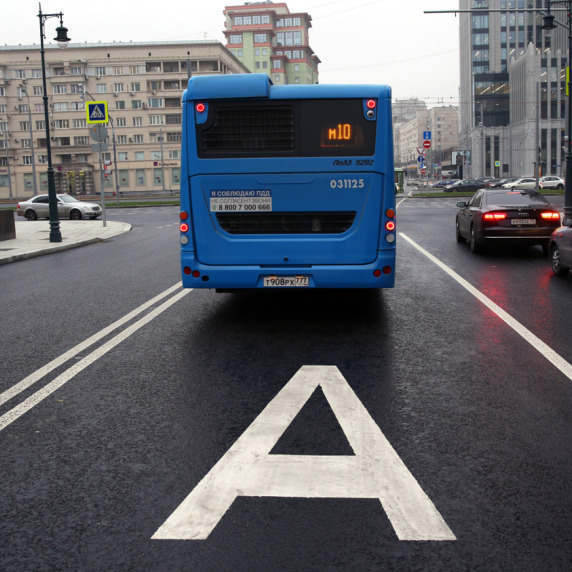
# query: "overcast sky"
[[358, 41]]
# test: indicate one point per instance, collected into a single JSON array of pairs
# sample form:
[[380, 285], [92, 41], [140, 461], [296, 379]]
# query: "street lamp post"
[[548, 24], [62, 38], [24, 90]]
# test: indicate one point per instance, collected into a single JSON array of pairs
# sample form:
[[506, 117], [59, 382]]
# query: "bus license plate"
[[286, 281], [523, 221]]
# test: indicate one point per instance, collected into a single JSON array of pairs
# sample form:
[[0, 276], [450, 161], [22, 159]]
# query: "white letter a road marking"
[[248, 468]]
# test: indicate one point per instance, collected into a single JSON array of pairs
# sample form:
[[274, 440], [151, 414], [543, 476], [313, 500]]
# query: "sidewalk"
[[33, 237]]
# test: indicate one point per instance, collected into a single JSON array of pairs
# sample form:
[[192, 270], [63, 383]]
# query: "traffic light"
[[106, 168]]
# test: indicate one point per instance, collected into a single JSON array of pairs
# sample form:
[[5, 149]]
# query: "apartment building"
[[142, 84], [267, 38], [442, 122]]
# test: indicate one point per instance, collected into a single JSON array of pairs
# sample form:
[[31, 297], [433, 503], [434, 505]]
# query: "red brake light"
[[200, 107], [494, 216], [550, 216], [371, 104], [184, 227], [390, 225]]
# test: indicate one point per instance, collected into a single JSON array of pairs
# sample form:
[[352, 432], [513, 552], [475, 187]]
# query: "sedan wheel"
[[556, 264], [474, 245], [75, 215], [31, 215], [560, 186]]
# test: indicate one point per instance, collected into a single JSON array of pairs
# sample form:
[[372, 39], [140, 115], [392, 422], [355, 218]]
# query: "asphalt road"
[[420, 428]]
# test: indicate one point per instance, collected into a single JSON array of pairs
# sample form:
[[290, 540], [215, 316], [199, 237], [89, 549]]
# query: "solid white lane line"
[[38, 374], [62, 379], [546, 351]]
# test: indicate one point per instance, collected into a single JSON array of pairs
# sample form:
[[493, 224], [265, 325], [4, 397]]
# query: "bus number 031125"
[[347, 184]]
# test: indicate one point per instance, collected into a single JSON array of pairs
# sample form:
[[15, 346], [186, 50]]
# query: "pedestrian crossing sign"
[[97, 112]]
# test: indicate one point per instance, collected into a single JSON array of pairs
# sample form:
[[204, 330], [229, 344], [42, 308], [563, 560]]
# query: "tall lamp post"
[[24, 90], [62, 38], [548, 24]]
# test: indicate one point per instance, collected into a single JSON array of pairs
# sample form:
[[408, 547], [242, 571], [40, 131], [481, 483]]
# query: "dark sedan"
[[561, 250], [506, 216], [465, 185]]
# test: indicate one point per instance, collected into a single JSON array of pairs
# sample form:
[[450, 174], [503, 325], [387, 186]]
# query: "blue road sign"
[[96, 112], [427, 135]]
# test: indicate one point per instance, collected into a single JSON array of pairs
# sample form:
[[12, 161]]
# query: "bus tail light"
[[494, 216], [390, 225], [200, 107], [183, 215], [184, 227]]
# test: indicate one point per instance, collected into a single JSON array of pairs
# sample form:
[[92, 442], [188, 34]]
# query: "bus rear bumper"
[[379, 274]]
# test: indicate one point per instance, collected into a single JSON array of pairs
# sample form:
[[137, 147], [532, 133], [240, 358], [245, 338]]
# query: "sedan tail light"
[[551, 215], [494, 216]]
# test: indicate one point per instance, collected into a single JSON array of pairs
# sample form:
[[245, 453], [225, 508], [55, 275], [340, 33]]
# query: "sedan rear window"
[[509, 198]]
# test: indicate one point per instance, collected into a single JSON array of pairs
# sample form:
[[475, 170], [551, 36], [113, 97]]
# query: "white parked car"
[[522, 183], [552, 182], [68, 207]]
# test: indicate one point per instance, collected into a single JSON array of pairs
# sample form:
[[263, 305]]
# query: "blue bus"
[[286, 186]]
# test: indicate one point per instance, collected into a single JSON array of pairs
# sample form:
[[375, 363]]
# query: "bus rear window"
[[274, 129]]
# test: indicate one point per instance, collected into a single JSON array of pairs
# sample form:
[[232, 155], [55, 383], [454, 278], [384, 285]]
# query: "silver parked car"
[[68, 207], [522, 183]]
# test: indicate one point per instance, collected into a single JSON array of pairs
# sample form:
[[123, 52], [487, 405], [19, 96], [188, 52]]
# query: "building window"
[[121, 122], [119, 105], [27, 160], [24, 126], [137, 122], [122, 139], [100, 71], [175, 154], [138, 139], [101, 88], [38, 90], [135, 86], [155, 155], [118, 88], [62, 124], [174, 119], [259, 38], [81, 140], [41, 125], [61, 106], [156, 120], [155, 102], [59, 89], [136, 104], [76, 70], [235, 39], [122, 156], [140, 155], [79, 123]]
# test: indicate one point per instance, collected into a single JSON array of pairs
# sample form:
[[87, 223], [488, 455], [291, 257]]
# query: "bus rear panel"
[[286, 186]]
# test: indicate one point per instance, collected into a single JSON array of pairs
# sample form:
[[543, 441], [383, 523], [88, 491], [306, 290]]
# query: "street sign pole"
[[102, 183], [99, 134]]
